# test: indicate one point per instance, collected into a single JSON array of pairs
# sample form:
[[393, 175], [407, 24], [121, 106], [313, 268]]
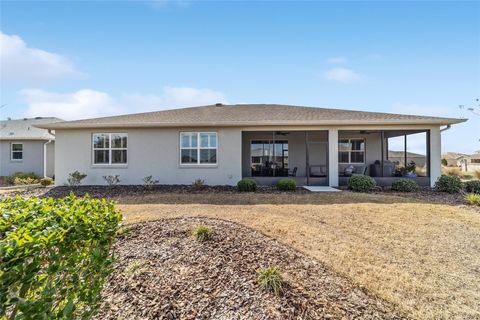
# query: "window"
[[351, 150], [198, 148], [269, 158], [16, 151], [475, 160], [110, 148]]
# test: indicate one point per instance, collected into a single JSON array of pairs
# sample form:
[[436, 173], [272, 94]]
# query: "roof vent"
[[218, 104]]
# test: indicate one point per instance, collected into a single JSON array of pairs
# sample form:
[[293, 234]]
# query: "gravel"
[[162, 272]]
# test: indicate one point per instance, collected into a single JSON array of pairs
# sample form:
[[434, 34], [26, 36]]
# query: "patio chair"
[[293, 173]]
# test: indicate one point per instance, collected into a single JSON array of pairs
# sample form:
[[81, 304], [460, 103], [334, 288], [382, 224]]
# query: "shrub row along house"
[[27, 148], [225, 143]]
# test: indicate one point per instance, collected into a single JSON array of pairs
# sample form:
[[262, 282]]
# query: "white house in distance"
[[26, 148], [225, 143]]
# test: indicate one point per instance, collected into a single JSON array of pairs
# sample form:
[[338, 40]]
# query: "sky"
[[87, 59]]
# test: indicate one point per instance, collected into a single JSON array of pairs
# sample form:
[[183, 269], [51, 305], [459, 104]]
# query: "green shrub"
[[198, 184], [149, 182], [444, 162], [247, 185], [450, 184], [472, 199], [405, 185], [54, 256], [361, 183], [46, 181], [21, 175], [473, 186], [286, 184], [270, 279], [25, 181], [112, 180], [202, 233], [75, 178]]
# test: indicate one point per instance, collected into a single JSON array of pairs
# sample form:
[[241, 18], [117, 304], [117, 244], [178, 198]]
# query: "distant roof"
[[25, 129], [475, 156], [453, 155], [394, 154], [250, 115]]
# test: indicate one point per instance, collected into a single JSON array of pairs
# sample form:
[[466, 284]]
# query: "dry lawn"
[[424, 258]]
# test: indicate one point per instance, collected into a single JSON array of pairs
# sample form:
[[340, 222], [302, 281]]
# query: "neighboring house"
[[454, 159], [471, 163], [225, 143], [26, 148], [399, 157]]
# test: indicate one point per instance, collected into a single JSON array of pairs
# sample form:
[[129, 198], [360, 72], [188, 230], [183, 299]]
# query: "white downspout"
[[45, 158]]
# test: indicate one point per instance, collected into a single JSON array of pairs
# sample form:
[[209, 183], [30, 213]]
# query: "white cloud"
[[30, 65], [88, 103], [337, 60], [343, 75]]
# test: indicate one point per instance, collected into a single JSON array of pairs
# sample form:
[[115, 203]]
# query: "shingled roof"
[[250, 115], [26, 129]]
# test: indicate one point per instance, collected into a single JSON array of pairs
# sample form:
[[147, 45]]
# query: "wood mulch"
[[163, 272]]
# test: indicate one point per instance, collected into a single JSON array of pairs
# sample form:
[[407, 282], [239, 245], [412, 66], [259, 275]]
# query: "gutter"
[[446, 128]]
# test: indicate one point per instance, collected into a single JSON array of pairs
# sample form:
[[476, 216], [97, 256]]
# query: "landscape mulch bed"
[[163, 272]]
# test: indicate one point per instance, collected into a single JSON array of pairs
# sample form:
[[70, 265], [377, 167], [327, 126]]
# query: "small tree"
[[149, 182], [112, 180], [75, 178]]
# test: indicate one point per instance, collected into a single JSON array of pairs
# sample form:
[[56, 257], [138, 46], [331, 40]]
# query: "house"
[[471, 163], [27, 148], [399, 157], [454, 159], [225, 143]]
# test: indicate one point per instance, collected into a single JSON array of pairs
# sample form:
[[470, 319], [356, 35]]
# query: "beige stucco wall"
[[32, 158], [151, 151]]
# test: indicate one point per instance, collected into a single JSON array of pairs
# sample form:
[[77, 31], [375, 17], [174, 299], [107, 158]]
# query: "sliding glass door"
[[269, 158]]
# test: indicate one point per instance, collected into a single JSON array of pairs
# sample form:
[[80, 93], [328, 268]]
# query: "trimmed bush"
[[112, 180], [270, 279], [473, 186], [202, 233], [450, 184], [149, 182], [361, 183], [75, 178], [54, 256], [46, 181], [25, 181], [21, 176], [472, 199], [404, 185], [247, 185], [286, 184], [198, 184]]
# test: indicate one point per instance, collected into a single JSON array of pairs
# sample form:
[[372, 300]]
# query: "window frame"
[[350, 151], [109, 149], [17, 151], [198, 148]]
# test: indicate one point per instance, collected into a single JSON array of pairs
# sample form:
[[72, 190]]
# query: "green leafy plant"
[[450, 184], [75, 178], [137, 267], [361, 183], [473, 186], [20, 175], [55, 255], [149, 182], [46, 181], [198, 184], [25, 181], [202, 233], [270, 279], [405, 185], [286, 184], [472, 199], [112, 180], [247, 185], [444, 162]]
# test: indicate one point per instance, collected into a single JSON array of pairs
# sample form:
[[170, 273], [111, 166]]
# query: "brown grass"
[[424, 258]]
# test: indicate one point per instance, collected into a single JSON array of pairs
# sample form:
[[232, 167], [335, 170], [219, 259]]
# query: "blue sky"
[[85, 59]]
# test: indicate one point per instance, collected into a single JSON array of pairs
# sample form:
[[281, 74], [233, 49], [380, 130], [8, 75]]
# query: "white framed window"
[[109, 148], [351, 150], [198, 148], [16, 151]]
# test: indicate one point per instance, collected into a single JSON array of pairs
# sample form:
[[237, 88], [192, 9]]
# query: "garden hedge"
[[286, 184], [450, 184], [54, 256], [404, 185], [361, 183], [247, 185]]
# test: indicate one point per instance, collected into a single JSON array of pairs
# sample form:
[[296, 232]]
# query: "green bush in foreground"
[[472, 199], [46, 181], [202, 233], [21, 177], [473, 186], [361, 183], [270, 279], [286, 184], [54, 256], [450, 184], [404, 185], [247, 185]]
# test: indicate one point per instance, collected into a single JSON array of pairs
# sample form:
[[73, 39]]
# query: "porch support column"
[[333, 158], [435, 155]]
